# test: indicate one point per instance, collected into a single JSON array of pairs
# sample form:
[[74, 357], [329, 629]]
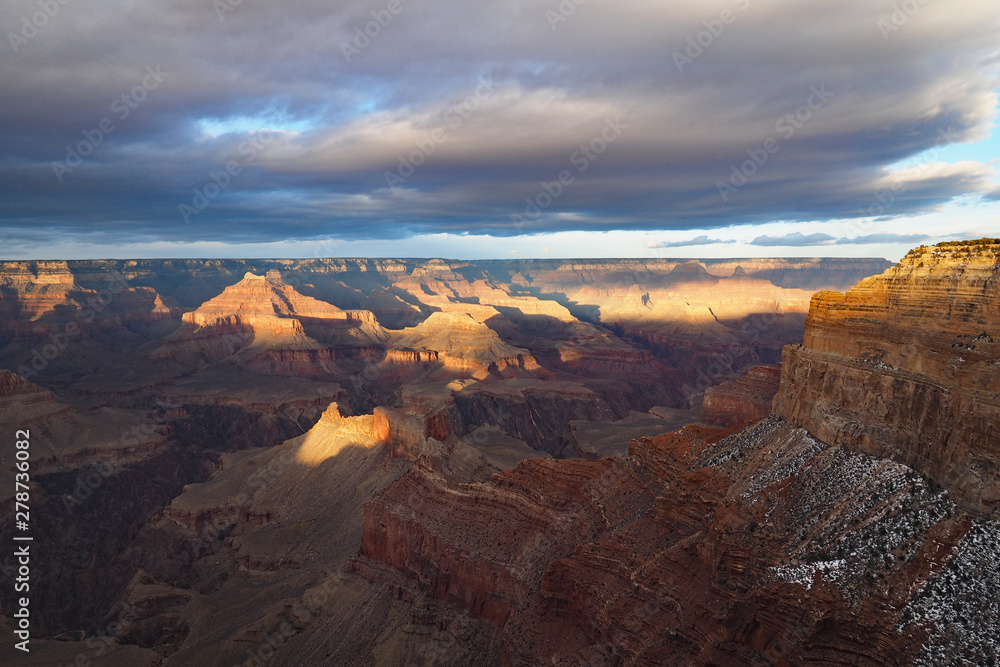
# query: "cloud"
[[887, 238], [698, 240], [794, 239], [478, 110]]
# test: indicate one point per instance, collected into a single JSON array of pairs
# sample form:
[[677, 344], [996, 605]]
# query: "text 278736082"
[[22, 548]]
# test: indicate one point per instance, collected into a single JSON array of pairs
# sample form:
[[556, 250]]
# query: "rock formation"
[[752, 547], [273, 328], [905, 366], [408, 499], [462, 345], [742, 401]]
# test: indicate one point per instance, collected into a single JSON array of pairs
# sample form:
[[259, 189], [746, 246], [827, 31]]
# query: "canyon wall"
[[819, 535], [741, 401], [906, 365]]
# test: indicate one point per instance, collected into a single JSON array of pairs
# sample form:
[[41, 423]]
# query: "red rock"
[[741, 401]]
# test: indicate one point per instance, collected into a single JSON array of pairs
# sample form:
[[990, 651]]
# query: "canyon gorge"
[[524, 462]]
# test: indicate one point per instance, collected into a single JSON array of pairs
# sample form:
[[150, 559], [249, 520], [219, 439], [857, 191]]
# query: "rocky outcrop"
[[537, 412], [407, 429], [905, 366], [696, 549], [462, 344], [273, 329], [26, 402], [741, 401]]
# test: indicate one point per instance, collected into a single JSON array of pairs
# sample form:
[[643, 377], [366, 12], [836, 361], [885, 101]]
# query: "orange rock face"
[[906, 365], [264, 302], [275, 329], [40, 287], [406, 429]]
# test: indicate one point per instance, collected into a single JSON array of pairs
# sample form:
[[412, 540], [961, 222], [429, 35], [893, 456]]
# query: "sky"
[[514, 128]]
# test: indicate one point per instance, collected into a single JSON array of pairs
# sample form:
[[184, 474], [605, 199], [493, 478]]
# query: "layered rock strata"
[[741, 401], [462, 344], [275, 330], [906, 365], [696, 549]]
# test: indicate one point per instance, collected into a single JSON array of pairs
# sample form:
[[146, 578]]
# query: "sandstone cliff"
[[906, 365], [696, 549]]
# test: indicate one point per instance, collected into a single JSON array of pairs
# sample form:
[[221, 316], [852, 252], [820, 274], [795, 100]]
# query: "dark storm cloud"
[[494, 117]]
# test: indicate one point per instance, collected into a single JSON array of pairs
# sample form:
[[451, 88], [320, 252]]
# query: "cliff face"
[[28, 289], [906, 365], [487, 546], [741, 401]]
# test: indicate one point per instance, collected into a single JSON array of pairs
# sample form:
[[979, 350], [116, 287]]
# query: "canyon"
[[527, 462]]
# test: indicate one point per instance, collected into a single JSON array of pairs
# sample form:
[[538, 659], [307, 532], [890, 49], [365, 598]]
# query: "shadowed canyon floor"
[[389, 462]]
